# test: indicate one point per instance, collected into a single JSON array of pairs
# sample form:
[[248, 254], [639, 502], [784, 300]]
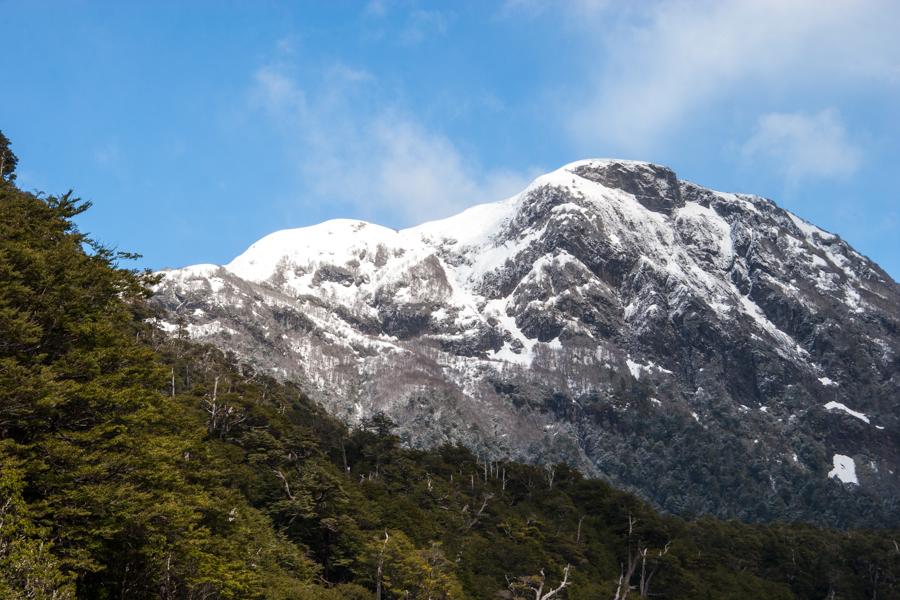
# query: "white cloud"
[[802, 146], [376, 8], [424, 24], [378, 162], [107, 154], [414, 25], [534, 8], [278, 93], [664, 63]]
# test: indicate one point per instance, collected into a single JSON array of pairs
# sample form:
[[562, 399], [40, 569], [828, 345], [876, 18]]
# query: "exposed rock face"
[[711, 351]]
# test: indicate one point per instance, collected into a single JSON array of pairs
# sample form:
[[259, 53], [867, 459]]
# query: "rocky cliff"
[[711, 351]]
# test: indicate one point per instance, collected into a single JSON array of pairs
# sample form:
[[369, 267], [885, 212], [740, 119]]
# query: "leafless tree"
[[637, 555], [222, 416], [624, 585], [344, 454], [578, 533], [647, 574], [380, 569], [212, 407], [477, 516], [550, 473], [536, 583], [287, 486]]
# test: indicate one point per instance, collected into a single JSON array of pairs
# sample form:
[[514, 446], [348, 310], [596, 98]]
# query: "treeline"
[[138, 465]]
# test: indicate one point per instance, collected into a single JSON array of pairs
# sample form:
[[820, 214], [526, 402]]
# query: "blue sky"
[[198, 127]]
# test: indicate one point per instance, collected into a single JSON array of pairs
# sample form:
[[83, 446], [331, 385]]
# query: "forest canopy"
[[135, 464]]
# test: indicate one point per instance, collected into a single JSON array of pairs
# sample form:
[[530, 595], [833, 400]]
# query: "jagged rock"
[[710, 351]]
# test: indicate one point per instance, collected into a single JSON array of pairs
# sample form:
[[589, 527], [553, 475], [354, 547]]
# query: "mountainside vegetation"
[[137, 464], [711, 352]]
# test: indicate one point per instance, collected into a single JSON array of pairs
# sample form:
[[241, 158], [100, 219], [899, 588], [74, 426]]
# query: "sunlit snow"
[[844, 469], [838, 406]]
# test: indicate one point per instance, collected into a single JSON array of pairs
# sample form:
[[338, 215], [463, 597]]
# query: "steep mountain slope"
[[711, 351]]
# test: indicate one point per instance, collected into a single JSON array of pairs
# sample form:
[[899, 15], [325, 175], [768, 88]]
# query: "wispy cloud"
[[802, 146], [534, 8], [669, 63], [374, 158], [641, 76], [107, 154], [410, 25], [376, 8], [422, 25]]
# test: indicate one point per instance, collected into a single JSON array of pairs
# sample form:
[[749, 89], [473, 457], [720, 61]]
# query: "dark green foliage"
[[105, 458], [28, 568], [137, 465], [8, 160]]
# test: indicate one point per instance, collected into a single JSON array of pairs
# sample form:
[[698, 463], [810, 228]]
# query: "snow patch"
[[809, 230], [838, 406], [710, 223], [634, 368], [844, 469]]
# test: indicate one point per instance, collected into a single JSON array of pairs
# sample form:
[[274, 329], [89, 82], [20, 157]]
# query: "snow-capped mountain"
[[709, 350]]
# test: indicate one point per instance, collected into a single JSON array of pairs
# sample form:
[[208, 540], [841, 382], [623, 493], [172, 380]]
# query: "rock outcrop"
[[710, 351]]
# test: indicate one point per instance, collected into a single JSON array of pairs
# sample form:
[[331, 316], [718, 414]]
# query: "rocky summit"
[[710, 351]]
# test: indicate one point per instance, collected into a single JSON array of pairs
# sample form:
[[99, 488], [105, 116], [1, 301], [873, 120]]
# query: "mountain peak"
[[606, 306], [336, 239], [654, 186]]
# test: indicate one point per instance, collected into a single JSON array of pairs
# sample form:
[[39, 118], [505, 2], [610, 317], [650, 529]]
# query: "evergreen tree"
[[28, 567], [8, 160], [103, 452]]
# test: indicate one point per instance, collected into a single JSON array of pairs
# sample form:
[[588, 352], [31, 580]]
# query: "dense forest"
[[134, 464]]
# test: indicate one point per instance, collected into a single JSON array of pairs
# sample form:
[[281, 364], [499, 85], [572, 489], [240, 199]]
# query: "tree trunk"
[[380, 566]]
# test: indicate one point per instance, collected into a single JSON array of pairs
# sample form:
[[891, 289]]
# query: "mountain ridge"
[[607, 314]]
